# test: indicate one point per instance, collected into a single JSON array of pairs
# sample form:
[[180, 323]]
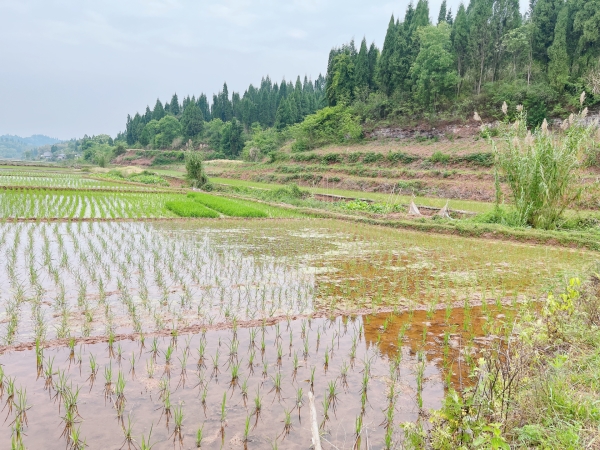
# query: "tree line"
[[224, 123], [484, 54]]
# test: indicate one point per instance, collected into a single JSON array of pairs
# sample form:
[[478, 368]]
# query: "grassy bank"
[[537, 387]]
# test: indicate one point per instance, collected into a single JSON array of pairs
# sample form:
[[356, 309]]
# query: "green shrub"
[[372, 157], [439, 157], [401, 157], [331, 158], [186, 208], [226, 206], [330, 125], [195, 170]]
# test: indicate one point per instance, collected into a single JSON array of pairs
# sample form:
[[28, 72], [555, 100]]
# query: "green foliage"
[[439, 157], [227, 206], [541, 170], [186, 208], [168, 129], [192, 121], [331, 125], [375, 208], [145, 177], [433, 71], [195, 169], [262, 142]]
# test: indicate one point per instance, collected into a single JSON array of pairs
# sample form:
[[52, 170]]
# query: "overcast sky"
[[75, 67]]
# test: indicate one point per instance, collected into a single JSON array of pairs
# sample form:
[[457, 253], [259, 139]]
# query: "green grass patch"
[[244, 208], [229, 207], [187, 208]]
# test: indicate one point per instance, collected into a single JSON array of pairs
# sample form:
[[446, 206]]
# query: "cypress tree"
[[204, 107], [192, 122], [460, 39], [442, 14], [558, 67], [159, 111], [384, 69], [362, 70], [175, 110], [480, 38], [543, 19], [373, 58]]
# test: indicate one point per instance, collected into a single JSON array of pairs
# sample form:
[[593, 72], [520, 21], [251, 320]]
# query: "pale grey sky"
[[71, 67]]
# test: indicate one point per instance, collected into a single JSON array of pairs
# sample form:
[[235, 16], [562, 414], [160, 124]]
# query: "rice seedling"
[[178, 417], [199, 436], [224, 410], [276, 385], [287, 423], [257, 402]]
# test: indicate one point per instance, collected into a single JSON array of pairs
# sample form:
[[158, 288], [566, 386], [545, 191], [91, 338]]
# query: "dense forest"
[[474, 59], [224, 124]]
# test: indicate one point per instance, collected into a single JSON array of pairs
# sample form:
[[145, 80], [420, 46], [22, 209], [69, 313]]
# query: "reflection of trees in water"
[[461, 327]]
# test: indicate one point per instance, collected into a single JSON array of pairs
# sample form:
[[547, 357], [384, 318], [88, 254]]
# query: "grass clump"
[[227, 206], [541, 169], [186, 208]]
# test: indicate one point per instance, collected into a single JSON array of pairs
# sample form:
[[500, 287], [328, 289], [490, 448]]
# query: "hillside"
[[14, 147]]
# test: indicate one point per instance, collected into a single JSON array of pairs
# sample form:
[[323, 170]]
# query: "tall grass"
[[540, 168]]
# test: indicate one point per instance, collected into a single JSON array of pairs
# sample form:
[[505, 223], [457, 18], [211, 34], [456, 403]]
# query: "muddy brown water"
[[376, 341]]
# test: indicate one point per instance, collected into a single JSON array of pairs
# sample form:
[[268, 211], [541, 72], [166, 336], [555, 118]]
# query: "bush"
[[330, 125], [400, 157], [186, 208], [227, 206], [439, 157], [195, 170]]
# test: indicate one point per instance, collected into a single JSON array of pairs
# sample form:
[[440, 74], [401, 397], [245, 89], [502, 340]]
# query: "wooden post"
[[314, 425]]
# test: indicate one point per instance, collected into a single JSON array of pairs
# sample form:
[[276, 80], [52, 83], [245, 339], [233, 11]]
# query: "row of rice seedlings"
[[226, 206], [268, 343], [77, 204], [75, 257], [96, 274]]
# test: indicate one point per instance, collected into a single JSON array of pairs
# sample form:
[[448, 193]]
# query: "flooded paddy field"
[[245, 387], [62, 280], [113, 330]]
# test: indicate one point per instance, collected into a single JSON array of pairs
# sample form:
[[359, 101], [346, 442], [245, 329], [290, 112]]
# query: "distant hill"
[[14, 147]]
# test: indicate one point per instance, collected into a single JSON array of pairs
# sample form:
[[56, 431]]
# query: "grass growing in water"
[[227, 206], [186, 208]]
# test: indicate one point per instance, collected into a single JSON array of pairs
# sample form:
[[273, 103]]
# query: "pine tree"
[[384, 69], [373, 58], [460, 39], [362, 70], [443, 12], [480, 43], [192, 122], [543, 17], [558, 67], [204, 107], [505, 18], [175, 110], [159, 111]]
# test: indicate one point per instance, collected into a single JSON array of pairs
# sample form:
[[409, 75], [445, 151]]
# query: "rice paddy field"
[[216, 330]]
